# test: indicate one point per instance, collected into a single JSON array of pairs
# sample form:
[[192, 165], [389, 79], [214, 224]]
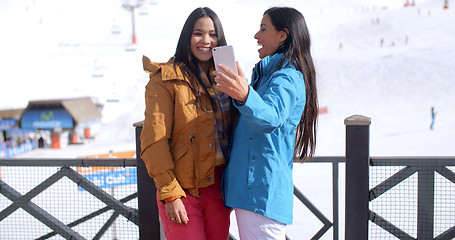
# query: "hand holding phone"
[[224, 55], [234, 86]]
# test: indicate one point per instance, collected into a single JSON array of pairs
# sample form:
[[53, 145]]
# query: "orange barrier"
[[73, 138], [55, 141], [87, 133], [323, 110]]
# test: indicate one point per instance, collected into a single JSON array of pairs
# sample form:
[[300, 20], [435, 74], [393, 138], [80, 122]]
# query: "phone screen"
[[224, 55]]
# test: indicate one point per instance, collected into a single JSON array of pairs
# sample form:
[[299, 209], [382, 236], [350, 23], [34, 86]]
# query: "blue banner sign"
[[117, 177], [7, 152], [46, 119]]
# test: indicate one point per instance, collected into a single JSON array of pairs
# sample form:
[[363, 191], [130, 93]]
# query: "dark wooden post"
[[357, 177], [425, 204], [149, 223]]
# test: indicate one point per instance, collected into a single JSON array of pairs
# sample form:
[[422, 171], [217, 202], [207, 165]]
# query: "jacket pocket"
[[259, 170], [183, 164], [179, 152]]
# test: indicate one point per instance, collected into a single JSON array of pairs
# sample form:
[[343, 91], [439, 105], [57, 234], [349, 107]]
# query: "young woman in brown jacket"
[[186, 133]]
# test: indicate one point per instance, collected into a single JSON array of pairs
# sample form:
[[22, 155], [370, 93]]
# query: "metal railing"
[[359, 205], [18, 201], [327, 224], [424, 169], [411, 212]]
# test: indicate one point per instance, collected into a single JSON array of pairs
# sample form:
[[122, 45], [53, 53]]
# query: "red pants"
[[209, 219]]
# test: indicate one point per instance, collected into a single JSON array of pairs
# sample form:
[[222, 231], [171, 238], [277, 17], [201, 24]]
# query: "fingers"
[[232, 84], [230, 73], [173, 219], [226, 79], [184, 219], [176, 218], [180, 218], [223, 82], [227, 70], [176, 212]]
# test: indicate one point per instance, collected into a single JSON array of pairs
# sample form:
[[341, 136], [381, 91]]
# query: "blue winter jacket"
[[258, 176]]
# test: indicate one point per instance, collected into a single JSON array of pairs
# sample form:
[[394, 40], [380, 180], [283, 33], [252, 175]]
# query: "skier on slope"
[[433, 114]]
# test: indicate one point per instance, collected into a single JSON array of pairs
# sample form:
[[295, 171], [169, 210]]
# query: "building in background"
[[64, 119]]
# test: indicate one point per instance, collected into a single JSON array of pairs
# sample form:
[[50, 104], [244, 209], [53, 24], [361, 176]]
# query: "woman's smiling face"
[[203, 39], [268, 37]]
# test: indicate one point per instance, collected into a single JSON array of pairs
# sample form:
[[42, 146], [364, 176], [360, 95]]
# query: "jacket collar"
[[266, 67], [270, 63]]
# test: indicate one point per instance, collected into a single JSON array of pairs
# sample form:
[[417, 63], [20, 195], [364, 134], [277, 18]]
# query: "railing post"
[[149, 223], [357, 177], [425, 204]]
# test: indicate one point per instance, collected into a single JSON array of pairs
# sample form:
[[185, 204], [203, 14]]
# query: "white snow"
[[59, 49]]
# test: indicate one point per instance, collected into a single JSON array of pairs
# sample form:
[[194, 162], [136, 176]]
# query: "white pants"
[[254, 226]]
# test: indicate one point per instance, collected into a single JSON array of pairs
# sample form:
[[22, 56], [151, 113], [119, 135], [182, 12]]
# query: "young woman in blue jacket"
[[276, 123]]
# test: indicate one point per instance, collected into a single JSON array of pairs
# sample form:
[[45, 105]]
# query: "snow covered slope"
[[54, 49]]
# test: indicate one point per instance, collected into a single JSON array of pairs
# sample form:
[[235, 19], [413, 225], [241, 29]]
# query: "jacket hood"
[[168, 70], [149, 66]]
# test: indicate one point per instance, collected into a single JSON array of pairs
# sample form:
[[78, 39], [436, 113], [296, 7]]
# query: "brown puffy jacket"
[[178, 138]]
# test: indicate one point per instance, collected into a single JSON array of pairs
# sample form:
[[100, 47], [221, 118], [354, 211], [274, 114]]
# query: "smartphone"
[[224, 55]]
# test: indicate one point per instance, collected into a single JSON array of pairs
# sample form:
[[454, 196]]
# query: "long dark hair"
[[296, 49], [183, 53]]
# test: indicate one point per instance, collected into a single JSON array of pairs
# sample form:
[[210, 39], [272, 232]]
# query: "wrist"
[[242, 100], [171, 199]]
